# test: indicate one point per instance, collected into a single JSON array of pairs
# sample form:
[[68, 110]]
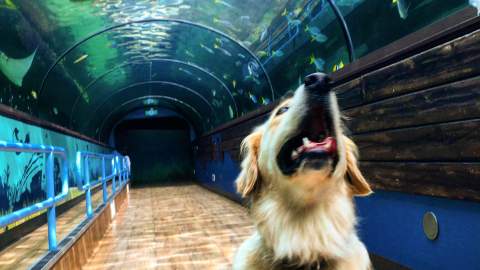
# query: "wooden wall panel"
[[453, 61], [416, 122], [450, 102], [455, 141], [456, 180]]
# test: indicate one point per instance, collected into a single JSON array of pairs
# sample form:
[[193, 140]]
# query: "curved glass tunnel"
[[237, 57], [170, 83]]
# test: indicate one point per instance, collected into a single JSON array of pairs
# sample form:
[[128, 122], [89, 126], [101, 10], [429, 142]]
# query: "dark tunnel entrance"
[[159, 146]]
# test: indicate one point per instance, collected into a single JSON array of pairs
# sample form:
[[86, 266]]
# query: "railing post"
[[88, 191], [114, 167], [104, 182], [51, 216], [122, 165]]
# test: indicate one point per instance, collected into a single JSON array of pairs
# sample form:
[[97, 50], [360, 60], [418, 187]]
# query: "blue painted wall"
[[391, 226], [390, 222], [218, 174]]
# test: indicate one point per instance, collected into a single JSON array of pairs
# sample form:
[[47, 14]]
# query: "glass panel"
[[203, 45], [201, 60], [392, 19], [307, 40]]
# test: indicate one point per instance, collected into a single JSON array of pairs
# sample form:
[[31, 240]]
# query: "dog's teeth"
[[294, 154], [306, 141]]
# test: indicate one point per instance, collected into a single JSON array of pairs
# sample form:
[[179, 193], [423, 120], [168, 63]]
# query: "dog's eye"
[[282, 110]]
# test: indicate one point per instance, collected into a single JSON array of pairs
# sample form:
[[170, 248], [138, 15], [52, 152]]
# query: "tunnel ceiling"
[[90, 63]]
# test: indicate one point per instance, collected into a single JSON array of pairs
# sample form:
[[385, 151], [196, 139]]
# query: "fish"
[[278, 53], [247, 43], [252, 78], [55, 110], [316, 34], [308, 10], [80, 59], [294, 22], [226, 76], [8, 5], [285, 12], [225, 23], [219, 41], [234, 83], [245, 19], [223, 3], [475, 4], [206, 48], [185, 71], [264, 101], [241, 55], [338, 66], [291, 21], [262, 54], [16, 69], [238, 63], [297, 11], [264, 34], [227, 53], [253, 98], [318, 62], [402, 8], [230, 111], [34, 94], [189, 53]]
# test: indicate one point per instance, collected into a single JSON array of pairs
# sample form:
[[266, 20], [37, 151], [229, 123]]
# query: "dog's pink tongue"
[[328, 145]]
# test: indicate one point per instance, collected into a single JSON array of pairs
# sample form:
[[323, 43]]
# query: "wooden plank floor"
[[31, 247], [173, 227]]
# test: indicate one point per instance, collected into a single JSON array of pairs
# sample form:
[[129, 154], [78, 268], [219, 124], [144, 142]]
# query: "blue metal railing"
[[51, 200], [120, 169]]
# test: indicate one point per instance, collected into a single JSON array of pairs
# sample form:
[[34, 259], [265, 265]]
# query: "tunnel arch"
[[247, 94], [103, 75], [105, 101], [104, 129]]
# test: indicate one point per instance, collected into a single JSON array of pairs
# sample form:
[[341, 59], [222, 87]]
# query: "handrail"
[[51, 200], [120, 168]]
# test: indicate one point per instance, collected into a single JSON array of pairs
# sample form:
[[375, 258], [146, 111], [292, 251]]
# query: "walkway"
[[26, 251], [173, 227]]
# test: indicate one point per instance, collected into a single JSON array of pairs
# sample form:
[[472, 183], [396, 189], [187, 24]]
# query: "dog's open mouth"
[[312, 146]]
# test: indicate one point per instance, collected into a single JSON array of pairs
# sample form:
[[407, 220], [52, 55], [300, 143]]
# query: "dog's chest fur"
[[304, 236]]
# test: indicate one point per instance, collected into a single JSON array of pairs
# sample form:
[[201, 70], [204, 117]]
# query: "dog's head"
[[301, 150]]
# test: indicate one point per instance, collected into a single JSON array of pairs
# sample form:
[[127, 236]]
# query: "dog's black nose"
[[318, 82]]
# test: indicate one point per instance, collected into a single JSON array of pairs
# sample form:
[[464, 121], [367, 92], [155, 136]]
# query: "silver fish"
[[402, 8]]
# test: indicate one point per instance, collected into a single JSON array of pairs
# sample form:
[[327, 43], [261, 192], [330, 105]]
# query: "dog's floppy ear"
[[358, 184], [249, 175]]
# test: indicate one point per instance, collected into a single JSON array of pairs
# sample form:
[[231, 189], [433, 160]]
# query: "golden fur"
[[309, 216]]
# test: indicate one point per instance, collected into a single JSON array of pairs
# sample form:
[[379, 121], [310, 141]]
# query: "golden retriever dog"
[[300, 174]]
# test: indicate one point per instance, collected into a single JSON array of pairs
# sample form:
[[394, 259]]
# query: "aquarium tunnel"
[[121, 124]]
